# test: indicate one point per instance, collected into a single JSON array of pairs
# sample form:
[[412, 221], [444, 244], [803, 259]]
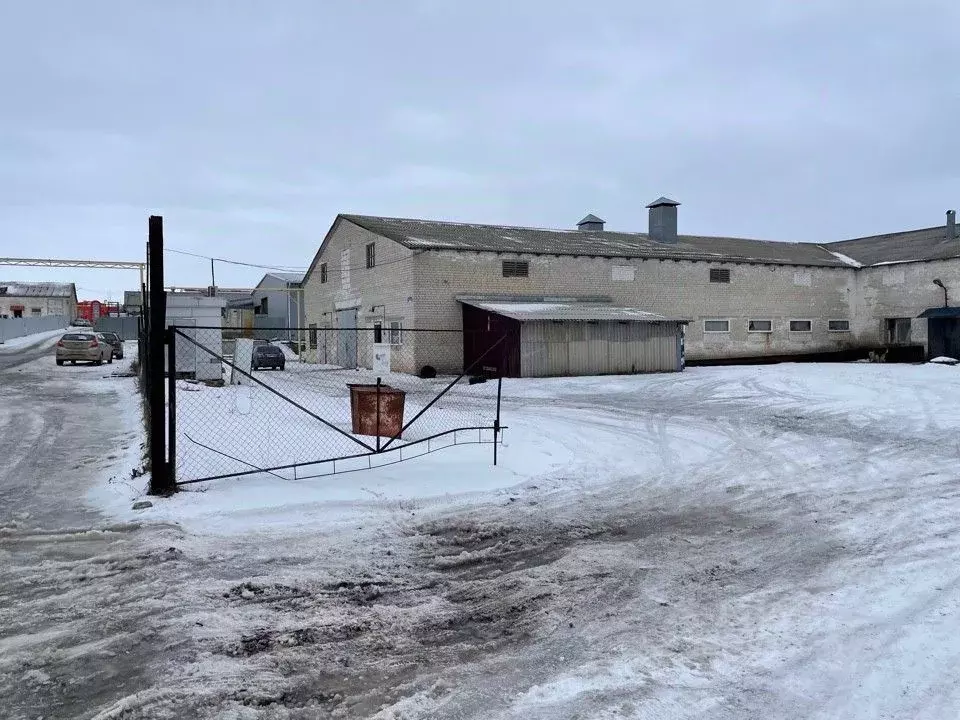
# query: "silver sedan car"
[[84, 346]]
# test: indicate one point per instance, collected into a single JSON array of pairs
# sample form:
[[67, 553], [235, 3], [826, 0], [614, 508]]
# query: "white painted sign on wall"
[[381, 359]]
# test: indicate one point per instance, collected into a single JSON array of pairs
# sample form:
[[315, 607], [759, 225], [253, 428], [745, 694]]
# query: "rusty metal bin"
[[363, 409]]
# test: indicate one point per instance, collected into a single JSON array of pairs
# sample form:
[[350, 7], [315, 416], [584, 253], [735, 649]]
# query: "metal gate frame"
[[175, 334]]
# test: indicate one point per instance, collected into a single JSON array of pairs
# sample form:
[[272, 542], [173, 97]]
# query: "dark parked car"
[[268, 356], [115, 342]]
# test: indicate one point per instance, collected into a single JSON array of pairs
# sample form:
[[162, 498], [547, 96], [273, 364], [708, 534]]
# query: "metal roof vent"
[[663, 220], [591, 223], [951, 224]]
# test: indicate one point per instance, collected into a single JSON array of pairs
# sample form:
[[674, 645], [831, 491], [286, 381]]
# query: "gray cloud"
[[250, 125]]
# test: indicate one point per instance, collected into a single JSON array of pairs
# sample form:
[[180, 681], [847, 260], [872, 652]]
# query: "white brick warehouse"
[[19, 299], [743, 299]]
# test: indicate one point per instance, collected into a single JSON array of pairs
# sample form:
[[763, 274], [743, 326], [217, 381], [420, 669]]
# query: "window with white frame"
[[760, 326], [395, 335], [716, 326], [838, 325], [801, 326]]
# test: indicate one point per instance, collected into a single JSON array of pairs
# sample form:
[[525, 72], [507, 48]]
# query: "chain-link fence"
[[340, 400]]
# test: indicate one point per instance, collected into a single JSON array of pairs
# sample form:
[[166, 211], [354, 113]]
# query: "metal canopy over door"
[[347, 341]]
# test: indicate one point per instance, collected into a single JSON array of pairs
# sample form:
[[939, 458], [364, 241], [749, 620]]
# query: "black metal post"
[[160, 481], [172, 405], [496, 420], [378, 414]]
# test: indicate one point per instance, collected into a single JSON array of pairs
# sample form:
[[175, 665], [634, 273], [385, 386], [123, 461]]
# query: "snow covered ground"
[[738, 542]]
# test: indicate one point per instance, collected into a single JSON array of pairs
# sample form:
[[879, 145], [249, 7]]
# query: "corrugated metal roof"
[[20, 288], [437, 235], [907, 246], [560, 308]]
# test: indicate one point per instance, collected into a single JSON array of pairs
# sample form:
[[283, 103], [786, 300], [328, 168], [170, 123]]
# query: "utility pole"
[[213, 281]]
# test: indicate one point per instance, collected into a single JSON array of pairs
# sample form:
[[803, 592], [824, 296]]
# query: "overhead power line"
[[287, 269], [236, 262]]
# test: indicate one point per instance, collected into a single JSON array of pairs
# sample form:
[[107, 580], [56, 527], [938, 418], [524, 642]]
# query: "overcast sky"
[[250, 124]]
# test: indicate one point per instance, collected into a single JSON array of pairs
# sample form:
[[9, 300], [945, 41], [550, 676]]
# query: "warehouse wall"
[[672, 288], [903, 290], [38, 306], [350, 284]]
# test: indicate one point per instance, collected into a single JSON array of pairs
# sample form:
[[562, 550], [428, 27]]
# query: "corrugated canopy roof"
[[20, 288], [908, 246], [560, 308], [940, 312], [289, 277]]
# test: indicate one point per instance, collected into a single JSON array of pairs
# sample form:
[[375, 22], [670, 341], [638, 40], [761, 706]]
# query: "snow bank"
[[846, 259], [944, 360], [28, 341]]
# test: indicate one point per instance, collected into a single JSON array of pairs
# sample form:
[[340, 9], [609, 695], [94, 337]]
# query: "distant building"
[[199, 318], [37, 299], [132, 302], [277, 304], [743, 299]]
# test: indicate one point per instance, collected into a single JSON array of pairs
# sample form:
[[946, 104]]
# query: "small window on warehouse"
[[760, 326], [371, 255], [378, 332], [395, 333], [801, 326], [716, 326], [323, 272], [719, 275]]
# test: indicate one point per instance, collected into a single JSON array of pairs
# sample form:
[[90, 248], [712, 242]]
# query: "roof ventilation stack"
[[663, 220]]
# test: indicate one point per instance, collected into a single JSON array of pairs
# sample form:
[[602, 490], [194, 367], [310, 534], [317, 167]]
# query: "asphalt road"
[[71, 639]]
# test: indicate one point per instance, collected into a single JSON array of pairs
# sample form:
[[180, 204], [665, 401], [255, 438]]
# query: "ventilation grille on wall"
[[516, 268], [720, 275]]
